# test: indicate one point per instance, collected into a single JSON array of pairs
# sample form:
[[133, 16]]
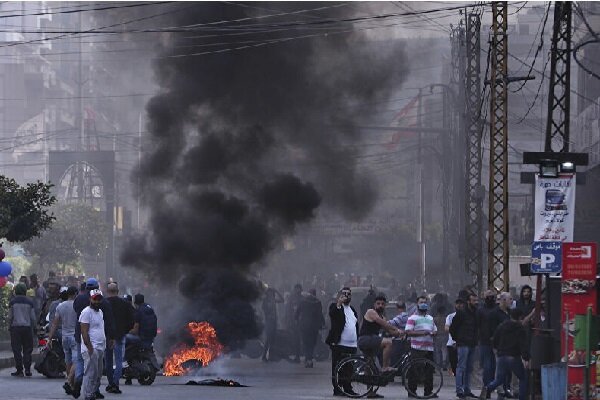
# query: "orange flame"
[[206, 348]]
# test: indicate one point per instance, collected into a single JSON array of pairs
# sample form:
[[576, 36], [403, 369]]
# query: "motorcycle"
[[52, 358], [140, 363]]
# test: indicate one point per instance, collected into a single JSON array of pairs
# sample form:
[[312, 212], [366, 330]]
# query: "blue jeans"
[[78, 366], [464, 367], [118, 351], [504, 366], [487, 360]]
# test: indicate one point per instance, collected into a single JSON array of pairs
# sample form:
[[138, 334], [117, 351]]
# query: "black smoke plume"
[[250, 134]]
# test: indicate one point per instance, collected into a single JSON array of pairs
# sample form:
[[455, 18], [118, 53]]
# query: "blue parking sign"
[[546, 257]]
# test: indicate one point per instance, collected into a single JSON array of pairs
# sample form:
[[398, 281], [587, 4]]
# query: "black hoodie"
[[309, 314]]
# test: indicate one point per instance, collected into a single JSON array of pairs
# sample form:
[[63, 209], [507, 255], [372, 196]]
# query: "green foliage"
[[4, 300], [20, 266], [79, 230], [24, 209]]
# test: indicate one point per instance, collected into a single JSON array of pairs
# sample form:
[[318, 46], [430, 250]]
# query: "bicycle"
[[359, 375]]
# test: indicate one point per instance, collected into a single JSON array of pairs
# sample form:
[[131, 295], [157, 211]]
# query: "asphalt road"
[[280, 381]]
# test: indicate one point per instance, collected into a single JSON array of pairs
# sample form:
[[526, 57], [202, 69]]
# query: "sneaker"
[[98, 395], [27, 373], [338, 393], [67, 388], [460, 395], [128, 381], [16, 373], [351, 392], [484, 393], [116, 390], [374, 396], [471, 395], [75, 393], [509, 395]]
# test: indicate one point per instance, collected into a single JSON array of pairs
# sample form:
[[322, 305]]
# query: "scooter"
[[140, 363]]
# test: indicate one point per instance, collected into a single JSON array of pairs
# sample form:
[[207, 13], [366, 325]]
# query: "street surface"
[[280, 381]]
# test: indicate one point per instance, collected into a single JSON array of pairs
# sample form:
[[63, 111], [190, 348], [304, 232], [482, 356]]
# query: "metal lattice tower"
[[559, 104], [498, 244], [474, 192]]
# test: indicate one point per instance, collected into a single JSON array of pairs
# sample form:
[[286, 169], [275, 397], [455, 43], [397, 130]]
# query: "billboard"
[[554, 208]]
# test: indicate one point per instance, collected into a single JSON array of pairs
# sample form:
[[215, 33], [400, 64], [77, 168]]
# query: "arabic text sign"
[[546, 257], [554, 208], [578, 291]]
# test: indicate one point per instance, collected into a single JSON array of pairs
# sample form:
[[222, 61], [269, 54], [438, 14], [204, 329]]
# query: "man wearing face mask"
[[421, 329], [343, 335], [485, 329]]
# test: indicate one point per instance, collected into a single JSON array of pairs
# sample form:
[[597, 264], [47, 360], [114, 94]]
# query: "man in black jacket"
[[485, 329], [512, 350], [464, 331], [310, 320], [343, 335], [123, 316]]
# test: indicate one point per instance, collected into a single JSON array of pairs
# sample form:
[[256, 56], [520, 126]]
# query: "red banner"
[[578, 289]]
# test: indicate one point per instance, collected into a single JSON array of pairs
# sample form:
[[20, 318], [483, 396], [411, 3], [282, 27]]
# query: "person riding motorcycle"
[[139, 352]]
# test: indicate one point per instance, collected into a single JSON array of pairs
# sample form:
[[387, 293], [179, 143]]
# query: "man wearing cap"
[[22, 321], [93, 344], [79, 304], [65, 319]]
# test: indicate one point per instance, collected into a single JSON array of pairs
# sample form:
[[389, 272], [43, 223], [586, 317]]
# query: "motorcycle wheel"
[[147, 379]]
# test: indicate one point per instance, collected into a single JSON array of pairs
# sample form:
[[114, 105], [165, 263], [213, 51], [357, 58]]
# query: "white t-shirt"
[[96, 321], [449, 319], [349, 338]]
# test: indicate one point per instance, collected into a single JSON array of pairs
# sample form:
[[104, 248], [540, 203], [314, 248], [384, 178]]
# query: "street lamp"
[[549, 168]]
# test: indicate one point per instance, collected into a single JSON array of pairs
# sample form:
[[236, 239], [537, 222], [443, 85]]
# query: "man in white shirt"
[[93, 344], [343, 335], [451, 345]]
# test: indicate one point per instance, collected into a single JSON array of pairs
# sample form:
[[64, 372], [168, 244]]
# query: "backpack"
[[148, 322]]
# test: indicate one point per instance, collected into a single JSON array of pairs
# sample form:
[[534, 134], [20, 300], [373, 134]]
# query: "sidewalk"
[[7, 361]]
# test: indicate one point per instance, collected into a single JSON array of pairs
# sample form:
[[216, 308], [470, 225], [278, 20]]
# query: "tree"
[[24, 209], [79, 230]]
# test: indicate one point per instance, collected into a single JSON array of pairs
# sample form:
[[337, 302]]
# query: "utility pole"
[[420, 225], [474, 191], [498, 175], [498, 243], [559, 96]]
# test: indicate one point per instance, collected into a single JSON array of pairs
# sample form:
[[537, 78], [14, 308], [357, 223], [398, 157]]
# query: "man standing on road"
[[93, 344], [459, 304], [293, 302], [21, 322], [464, 331], [485, 314], [343, 335], [310, 321], [123, 313], [269, 307], [421, 329], [503, 314], [510, 342], [65, 319]]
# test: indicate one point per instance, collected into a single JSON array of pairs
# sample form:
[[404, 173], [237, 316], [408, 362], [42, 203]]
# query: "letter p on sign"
[[547, 259]]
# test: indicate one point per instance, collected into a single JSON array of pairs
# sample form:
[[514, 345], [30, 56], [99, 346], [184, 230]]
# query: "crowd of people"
[[494, 329], [93, 327]]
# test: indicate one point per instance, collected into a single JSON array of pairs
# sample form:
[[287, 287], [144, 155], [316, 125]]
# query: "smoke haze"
[[246, 144]]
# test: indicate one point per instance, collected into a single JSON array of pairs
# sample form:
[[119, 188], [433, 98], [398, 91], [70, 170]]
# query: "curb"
[[9, 362]]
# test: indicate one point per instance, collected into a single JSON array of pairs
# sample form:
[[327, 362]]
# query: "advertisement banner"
[[554, 208], [578, 287]]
